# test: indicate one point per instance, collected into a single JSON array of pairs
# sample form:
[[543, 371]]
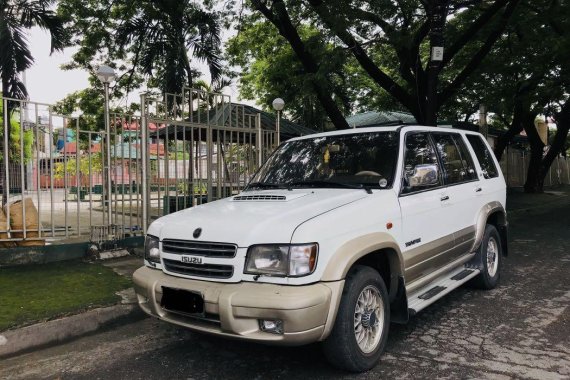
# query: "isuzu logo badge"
[[197, 233]]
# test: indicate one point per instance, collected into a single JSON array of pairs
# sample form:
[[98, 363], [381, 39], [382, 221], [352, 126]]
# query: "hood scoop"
[[267, 197]]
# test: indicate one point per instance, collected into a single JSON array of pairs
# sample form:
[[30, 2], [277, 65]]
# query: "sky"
[[48, 83], [45, 81]]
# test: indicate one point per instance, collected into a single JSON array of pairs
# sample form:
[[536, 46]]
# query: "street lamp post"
[[278, 105], [106, 75]]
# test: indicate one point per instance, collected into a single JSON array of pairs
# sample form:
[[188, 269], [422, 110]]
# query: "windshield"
[[365, 160]]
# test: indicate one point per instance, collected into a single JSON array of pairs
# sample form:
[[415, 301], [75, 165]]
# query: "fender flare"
[[351, 251], [502, 225]]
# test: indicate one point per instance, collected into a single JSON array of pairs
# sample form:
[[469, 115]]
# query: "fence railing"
[[200, 149], [183, 150]]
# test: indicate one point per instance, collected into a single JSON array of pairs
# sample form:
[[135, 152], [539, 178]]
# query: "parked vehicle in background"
[[336, 235]]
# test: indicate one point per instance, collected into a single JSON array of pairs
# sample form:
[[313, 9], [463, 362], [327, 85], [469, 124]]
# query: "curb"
[[14, 342]]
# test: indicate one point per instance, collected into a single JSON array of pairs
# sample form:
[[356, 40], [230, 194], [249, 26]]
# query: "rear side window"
[[457, 165], [470, 173], [483, 156]]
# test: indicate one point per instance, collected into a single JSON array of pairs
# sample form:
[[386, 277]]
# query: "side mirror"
[[423, 176]]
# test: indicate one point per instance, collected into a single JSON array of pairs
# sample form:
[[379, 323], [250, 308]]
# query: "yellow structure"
[[542, 129]]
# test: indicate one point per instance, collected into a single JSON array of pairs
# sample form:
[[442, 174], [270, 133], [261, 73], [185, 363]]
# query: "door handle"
[[445, 198], [478, 189]]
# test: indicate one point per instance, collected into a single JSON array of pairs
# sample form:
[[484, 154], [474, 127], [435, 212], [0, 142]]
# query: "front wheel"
[[490, 253], [363, 318]]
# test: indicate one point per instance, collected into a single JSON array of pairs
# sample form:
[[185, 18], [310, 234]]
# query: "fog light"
[[274, 326]]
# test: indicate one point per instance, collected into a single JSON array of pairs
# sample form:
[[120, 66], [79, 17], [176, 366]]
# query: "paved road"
[[519, 330]]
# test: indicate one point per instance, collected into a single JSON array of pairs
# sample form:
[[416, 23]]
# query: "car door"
[[462, 186], [425, 228]]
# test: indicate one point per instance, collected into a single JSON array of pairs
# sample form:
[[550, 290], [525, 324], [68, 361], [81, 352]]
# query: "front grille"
[[198, 248], [200, 270], [208, 319], [260, 198]]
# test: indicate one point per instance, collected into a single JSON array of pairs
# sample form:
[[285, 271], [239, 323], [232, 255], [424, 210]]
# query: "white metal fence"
[[52, 183], [201, 147], [182, 150]]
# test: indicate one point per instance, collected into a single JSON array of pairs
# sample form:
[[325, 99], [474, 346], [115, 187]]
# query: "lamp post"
[[278, 105], [106, 75]]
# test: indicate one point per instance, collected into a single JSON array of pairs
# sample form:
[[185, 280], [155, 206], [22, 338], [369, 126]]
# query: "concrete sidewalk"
[[56, 331]]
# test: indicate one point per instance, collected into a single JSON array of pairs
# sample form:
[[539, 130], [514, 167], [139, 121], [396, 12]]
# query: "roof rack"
[[385, 124]]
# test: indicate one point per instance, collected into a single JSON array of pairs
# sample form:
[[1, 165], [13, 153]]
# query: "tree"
[[15, 17], [17, 144], [270, 69], [156, 40], [278, 15], [533, 81], [88, 165], [556, 84], [408, 31], [90, 103]]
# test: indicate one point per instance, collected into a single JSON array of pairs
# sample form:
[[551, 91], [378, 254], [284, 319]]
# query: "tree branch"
[[473, 29], [481, 53], [562, 129], [521, 108], [387, 83], [279, 17], [361, 14], [406, 17]]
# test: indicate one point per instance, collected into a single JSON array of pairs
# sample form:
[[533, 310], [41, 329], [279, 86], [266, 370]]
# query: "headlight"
[[281, 259], [151, 250]]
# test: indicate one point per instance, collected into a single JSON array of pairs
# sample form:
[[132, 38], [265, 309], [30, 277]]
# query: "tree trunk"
[[521, 115], [279, 17], [437, 17], [504, 140], [534, 182], [515, 128], [559, 141]]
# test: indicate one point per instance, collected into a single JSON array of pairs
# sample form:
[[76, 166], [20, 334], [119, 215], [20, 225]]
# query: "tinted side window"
[[483, 156], [421, 169], [466, 158], [455, 167]]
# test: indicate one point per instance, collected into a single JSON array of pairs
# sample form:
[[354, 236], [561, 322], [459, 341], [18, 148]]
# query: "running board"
[[439, 288]]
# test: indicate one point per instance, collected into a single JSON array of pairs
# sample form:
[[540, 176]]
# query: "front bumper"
[[234, 310]]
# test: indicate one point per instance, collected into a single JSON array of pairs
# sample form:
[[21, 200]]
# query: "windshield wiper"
[[323, 183], [263, 185]]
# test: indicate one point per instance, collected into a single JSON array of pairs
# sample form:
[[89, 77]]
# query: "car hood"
[[253, 217]]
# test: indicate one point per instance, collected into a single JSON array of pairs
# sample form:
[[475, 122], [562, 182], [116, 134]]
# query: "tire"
[[491, 255], [364, 291]]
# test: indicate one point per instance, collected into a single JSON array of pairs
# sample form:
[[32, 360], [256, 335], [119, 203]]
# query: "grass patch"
[[39, 292]]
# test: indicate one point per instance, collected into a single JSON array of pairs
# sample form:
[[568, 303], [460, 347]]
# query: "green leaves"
[[16, 136], [15, 56], [270, 69], [157, 40]]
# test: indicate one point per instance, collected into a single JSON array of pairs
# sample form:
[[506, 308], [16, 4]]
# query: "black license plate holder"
[[182, 301]]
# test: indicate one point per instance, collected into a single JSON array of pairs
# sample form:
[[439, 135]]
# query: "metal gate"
[[51, 176], [182, 150], [200, 147]]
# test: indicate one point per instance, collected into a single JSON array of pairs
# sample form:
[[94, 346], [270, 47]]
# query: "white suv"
[[336, 235]]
